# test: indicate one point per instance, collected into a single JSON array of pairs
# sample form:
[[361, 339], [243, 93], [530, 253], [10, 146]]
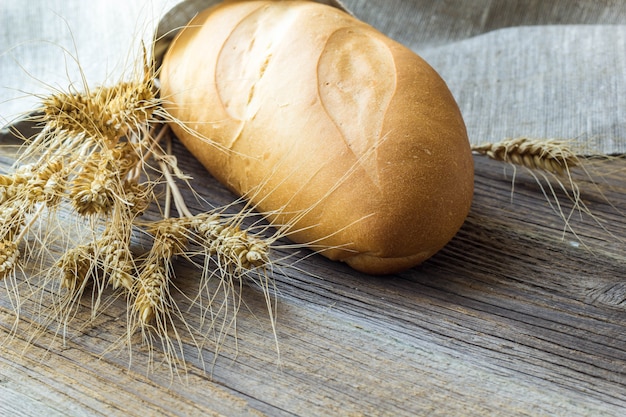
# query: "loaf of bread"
[[342, 136]]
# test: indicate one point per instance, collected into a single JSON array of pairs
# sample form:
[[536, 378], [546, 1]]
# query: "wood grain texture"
[[513, 317]]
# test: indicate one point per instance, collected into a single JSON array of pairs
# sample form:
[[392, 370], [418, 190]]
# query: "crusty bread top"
[[322, 119]]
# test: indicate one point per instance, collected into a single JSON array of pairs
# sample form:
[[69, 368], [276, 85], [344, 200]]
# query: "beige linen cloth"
[[541, 69]]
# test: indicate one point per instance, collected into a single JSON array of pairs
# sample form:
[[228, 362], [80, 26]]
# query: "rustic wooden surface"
[[513, 317]]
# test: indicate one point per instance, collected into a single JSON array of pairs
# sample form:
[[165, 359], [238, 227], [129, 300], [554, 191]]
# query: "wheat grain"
[[93, 192], [135, 196], [12, 218], [102, 180], [7, 190], [76, 265], [94, 188], [113, 249], [47, 184], [550, 155], [124, 157], [116, 260], [9, 254], [170, 239], [151, 289]]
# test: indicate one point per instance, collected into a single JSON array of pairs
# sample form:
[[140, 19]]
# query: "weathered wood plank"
[[511, 318]]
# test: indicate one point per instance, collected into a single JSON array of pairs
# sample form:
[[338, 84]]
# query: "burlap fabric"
[[517, 67]]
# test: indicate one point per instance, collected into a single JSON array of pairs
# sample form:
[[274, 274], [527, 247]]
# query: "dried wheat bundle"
[[101, 155]]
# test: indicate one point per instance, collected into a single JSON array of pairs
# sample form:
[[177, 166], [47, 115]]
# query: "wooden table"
[[514, 317]]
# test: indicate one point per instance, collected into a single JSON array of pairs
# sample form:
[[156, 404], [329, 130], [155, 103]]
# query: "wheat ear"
[[90, 156], [549, 155], [152, 283]]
